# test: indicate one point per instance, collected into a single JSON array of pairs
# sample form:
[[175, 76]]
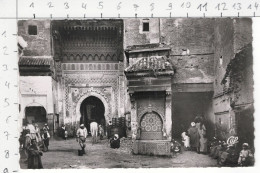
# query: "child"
[[246, 156], [185, 140]]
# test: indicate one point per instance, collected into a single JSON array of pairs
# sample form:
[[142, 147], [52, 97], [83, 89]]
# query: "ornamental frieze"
[[92, 66]]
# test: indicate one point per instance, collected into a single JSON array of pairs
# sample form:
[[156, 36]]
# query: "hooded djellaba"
[[194, 137], [34, 156]]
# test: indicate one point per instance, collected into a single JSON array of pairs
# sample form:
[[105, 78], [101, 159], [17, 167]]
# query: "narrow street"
[[64, 155]]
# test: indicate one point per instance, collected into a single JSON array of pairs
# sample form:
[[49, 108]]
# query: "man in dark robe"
[[194, 137], [115, 141], [34, 156]]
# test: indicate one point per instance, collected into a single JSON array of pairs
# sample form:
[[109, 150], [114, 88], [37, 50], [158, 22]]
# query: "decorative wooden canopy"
[[150, 66], [40, 65]]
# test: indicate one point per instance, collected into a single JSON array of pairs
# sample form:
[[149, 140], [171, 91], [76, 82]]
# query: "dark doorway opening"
[[36, 114], [245, 127], [186, 106], [92, 108]]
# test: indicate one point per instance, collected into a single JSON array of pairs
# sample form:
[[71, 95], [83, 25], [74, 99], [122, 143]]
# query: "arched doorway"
[[151, 126], [36, 114], [92, 108]]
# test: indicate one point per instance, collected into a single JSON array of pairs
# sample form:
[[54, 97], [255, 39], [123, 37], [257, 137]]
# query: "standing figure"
[[194, 137], [46, 127], [27, 143], [45, 138], [64, 132], [101, 132], [34, 156], [203, 140], [31, 128], [115, 141], [37, 132], [246, 157], [81, 137], [185, 140], [94, 131]]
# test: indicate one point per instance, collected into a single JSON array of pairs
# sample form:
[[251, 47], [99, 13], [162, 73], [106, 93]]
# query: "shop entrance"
[[36, 114]]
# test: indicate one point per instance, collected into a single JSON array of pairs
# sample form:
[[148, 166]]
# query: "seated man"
[[115, 141]]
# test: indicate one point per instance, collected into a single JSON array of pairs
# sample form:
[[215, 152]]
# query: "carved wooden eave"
[[150, 74], [150, 66], [36, 66]]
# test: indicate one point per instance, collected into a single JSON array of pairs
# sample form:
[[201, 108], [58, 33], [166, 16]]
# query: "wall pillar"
[[134, 123], [168, 115]]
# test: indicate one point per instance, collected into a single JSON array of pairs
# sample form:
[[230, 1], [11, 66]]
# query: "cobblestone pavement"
[[64, 154]]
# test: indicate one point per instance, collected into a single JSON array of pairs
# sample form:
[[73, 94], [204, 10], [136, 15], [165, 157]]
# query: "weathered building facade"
[[160, 73]]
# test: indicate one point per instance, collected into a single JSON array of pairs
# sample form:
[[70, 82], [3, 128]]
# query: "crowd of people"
[[195, 139], [33, 141]]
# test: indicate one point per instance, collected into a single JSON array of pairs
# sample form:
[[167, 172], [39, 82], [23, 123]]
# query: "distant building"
[[163, 71]]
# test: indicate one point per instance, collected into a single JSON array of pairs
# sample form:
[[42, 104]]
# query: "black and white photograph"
[[136, 93]]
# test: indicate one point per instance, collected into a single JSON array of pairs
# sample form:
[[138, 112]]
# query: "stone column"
[[168, 115], [134, 123]]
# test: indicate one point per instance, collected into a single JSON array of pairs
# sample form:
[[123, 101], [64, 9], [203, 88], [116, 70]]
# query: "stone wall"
[[193, 34], [193, 68], [40, 44], [224, 50], [232, 62], [197, 35]]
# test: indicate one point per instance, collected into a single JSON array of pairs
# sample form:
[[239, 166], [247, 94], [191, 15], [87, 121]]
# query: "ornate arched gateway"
[[107, 113], [89, 62]]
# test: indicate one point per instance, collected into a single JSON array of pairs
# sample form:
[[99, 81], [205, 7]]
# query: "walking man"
[[81, 137], [94, 131]]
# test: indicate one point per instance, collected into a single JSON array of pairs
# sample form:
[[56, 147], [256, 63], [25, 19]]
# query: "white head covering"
[[245, 144], [193, 124], [116, 135], [81, 125]]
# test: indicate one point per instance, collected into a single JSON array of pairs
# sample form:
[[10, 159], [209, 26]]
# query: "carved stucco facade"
[[101, 80]]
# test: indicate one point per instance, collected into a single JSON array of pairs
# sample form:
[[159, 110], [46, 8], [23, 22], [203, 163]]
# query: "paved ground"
[[64, 154]]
